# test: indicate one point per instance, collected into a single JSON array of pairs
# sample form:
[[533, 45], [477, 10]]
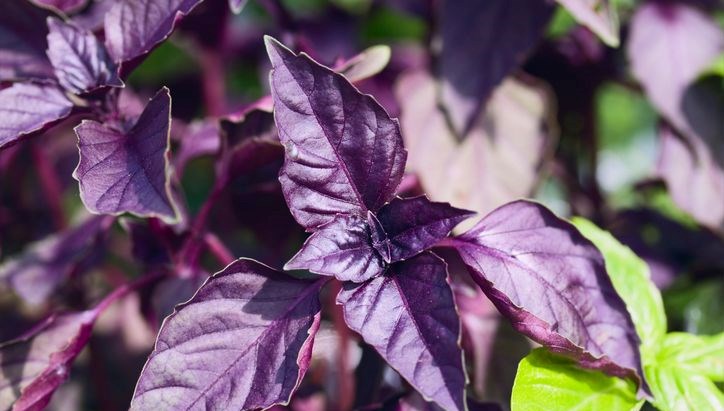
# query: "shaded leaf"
[[44, 265], [127, 170], [33, 366], [134, 27], [409, 316], [343, 152], [26, 108], [482, 42], [66, 6], [199, 138], [630, 276], [499, 160], [547, 382], [551, 283], [598, 15], [340, 248], [23, 43], [80, 61], [244, 341], [413, 225]]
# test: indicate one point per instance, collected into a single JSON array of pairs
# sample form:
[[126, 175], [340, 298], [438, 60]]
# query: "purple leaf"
[[127, 170], [551, 283], [244, 341], [340, 248], [65, 6], [693, 176], [409, 316], [683, 37], [413, 225], [44, 265], [198, 139], [344, 153], [237, 5], [80, 61], [22, 42], [499, 160], [26, 108], [598, 15], [36, 364], [482, 42], [134, 27]]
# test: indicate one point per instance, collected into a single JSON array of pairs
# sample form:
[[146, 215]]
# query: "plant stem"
[[218, 249], [126, 289], [50, 184], [345, 387]]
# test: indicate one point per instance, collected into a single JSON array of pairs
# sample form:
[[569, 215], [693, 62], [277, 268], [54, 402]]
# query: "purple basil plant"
[[376, 292]]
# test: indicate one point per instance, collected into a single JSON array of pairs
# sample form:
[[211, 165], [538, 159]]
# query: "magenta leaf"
[[243, 342], [598, 15], [127, 170], [413, 225], [36, 364], [344, 154], [482, 42], [134, 27], [551, 283], [340, 248], [22, 42], [26, 108], [409, 316], [66, 6], [44, 265], [80, 61]]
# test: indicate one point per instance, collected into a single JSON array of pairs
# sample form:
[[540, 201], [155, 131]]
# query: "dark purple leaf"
[[340, 248], [409, 316], [198, 139], [343, 152], [598, 15], [499, 160], [413, 225], [244, 341], [44, 265], [36, 364], [134, 27], [551, 283], [237, 5], [482, 42], [65, 6], [91, 19], [22, 42], [127, 170], [80, 61], [26, 108]]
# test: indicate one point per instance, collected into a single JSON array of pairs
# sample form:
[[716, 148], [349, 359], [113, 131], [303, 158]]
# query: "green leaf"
[[630, 276], [547, 382], [677, 389], [698, 354]]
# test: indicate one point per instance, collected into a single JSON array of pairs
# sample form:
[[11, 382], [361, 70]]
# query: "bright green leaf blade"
[[630, 276], [547, 382], [677, 389], [699, 354]]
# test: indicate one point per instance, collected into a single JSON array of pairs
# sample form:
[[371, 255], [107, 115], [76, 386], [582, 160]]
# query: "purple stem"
[[126, 289], [50, 184]]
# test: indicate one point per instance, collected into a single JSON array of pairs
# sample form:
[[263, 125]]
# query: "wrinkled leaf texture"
[[243, 341]]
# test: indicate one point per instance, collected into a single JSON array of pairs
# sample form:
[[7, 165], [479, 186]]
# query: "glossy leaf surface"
[[409, 316], [551, 283], [340, 248], [80, 61], [26, 108], [546, 382], [243, 341], [126, 171], [343, 152]]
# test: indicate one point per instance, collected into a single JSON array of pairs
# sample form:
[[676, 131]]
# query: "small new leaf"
[[127, 171]]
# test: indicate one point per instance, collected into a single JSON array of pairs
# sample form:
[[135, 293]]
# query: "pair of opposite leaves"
[[244, 341]]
